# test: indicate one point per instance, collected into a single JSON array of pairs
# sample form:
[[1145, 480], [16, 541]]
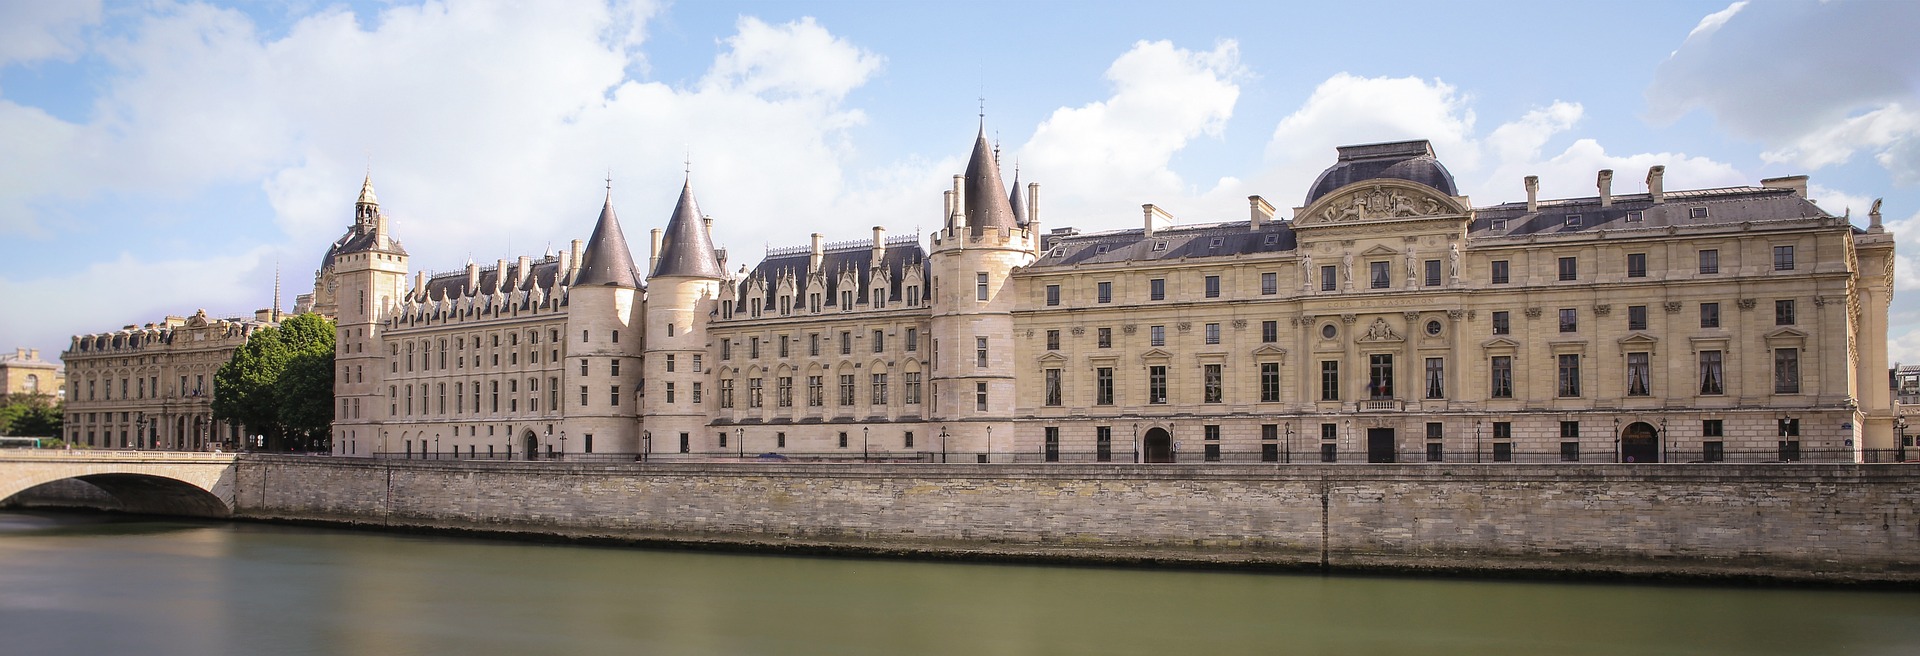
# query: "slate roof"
[[606, 260], [1726, 205], [686, 249], [453, 284], [833, 261], [987, 205], [1405, 160], [1187, 241]]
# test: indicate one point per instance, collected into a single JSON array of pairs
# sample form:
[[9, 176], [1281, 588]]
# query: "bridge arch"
[[190, 485]]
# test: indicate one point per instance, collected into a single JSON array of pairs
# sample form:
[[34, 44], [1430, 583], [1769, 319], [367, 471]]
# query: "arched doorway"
[[1158, 445], [1639, 443], [530, 446]]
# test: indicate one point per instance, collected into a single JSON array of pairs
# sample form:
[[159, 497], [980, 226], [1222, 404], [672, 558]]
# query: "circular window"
[[1327, 331], [1433, 328]]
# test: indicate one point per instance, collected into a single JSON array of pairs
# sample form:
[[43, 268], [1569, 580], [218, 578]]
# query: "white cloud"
[[129, 290], [1163, 98], [1712, 22], [799, 58], [1906, 260], [32, 30], [1347, 109]]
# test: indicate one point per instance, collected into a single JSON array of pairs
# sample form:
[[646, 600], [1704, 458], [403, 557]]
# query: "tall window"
[[1436, 378], [1569, 268], [980, 286], [753, 348], [1783, 258], [846, 389], [879, 341], [1786, 371], [1211, 384], [1053, 340], [1053, 387], [1569, 320], [1053, 295], [913, 339], [1569, 375], [1269, 283], [878, 383], [1709, 315], [1157, 335], [1213, 333], [1709, 261], [1380, 376], [1329, 275], [753, 392], [1502, 323], [1501, 377], [1570, 441], [1104, 338], [1432, 272], [1052, 446], [1636, 265], [1157, 289], [783, 392], [980, 396], [726, 393], [979, 351], [817, 391], [1213, 286], [1710, 378], [1269, 382], [1103, 292], [913, 388], [1329, 380], [1636, 317], [1103, 386], [1103, 444], [1500, 272], [1378, 275], [1783, 313], [1639, 375], [1269, 332], [846, 342], [1157, 384]]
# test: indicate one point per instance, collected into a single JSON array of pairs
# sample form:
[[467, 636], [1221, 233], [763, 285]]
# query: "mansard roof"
[[1175, 243], [606, 260], [453, 284], [686, 249], [838, 258], [1412, 161], [1723, 206], [986, 202]]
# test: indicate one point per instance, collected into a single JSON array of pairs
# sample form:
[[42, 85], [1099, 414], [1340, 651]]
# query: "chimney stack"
[[708, 222], [1657, 184], [879, 244], [1606, 187], [1156, 218], [499, 276], [473, 278], [1033, 216], [816, 253], [419, 285], [1533, 193], [1798, 183], [1262, 212], [960, 201], [522, 272], [653, 260]]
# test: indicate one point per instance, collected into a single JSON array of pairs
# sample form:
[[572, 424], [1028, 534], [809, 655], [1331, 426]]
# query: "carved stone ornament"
[[1602, 310], [1079, 330], [1410, 316], [1533, 313], [1239, 324], [1029, 333], [1379, 203], [1673, 307], [1747, 303], [1128, 328], [1184, 326], [1380, 330], [1456, 314], [1821, 301], [1349, 318]]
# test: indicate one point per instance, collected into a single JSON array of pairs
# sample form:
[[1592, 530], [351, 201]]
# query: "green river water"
[[92, 584]]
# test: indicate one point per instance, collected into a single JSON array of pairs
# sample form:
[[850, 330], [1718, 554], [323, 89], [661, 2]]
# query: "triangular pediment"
[[1051, 357], [1155, 353], [1378, 250], [1639, 339], [1269, 350], [1500, 343], [1786, 334]]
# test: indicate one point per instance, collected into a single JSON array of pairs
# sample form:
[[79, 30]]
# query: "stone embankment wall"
[[1810, 522]]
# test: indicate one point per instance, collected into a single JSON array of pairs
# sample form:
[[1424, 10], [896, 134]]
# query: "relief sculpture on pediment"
[[1379, 202]]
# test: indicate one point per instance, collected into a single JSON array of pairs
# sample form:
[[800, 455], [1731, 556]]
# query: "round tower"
[[972, 261], [603, 347], [682, 293]]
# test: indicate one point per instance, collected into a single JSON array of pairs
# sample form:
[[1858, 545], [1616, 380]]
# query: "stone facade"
[[151, 386], [23, 372], [1389, 320]]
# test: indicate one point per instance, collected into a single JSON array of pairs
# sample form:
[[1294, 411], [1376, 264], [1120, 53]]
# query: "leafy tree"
[[31, 415], [280, 384]]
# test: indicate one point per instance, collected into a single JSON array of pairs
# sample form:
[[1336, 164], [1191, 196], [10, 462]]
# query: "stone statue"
[[1346, 269], [1306, 272], [1413, 269], [1380, 330], [1453, 261]]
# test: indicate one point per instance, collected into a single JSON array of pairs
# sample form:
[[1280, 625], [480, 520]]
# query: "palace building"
[[1384, 319], [151, 386]]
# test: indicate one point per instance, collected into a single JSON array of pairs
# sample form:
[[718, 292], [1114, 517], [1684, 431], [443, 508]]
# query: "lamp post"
[[740, 440], [1476, 441], [1136, 443], [140, 430], [943, 445], [436, 446], [989, 444], [563, 445], [1288, 451], [646, 444], [1616, 439], [1900, 426], [863, 444]]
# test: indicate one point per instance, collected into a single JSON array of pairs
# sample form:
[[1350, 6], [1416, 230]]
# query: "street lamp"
[[943, 444], [563, 445], [436, 446], [1288, 451], [989, 444], [1900, 424], [646, 444], [1476, 441], [863, 444], [740, 440], [1616, 439]]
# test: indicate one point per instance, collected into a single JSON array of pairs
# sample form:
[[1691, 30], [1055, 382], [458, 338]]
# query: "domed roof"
[[1412, 161]]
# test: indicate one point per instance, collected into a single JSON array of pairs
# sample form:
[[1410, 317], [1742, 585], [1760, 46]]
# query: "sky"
[[161, 157]]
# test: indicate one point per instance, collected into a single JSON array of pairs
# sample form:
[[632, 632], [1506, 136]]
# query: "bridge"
[[147, 482]]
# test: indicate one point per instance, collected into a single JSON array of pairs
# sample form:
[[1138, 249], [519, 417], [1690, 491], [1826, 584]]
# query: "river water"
[[93, 584]]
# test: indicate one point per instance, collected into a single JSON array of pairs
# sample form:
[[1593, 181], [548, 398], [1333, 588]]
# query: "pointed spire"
[[1016, 199], [686, 249], [606, 261], [986, 201], [276, 291], [366, 191]]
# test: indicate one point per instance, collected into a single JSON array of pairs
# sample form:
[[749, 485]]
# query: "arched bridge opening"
[[142, 494], [149, 484]]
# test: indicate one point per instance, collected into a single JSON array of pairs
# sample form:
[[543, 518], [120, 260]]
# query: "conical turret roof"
[[685, 249], [366, 192], [1018, 200], [987, 206], [606, 260]]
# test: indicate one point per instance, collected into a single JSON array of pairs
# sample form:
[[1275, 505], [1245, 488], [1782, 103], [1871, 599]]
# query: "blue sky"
[[160, 157]]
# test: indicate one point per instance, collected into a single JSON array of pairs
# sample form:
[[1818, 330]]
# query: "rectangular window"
[[1210, 437], [817, 391], [1709, 315], [1569, 320], [1104, 338], [1269, 332], [1436, 452], [1156, 335], [1052, 446], [1103, 292], [878, 382], [846, 389], [1569, 452], [1432, 272], [1436, 378], [907, 440], [1502, 323], [1329, 431], [754, 392], [1157, 289], [1329, 276], [913, 388], [1213, 333], [1569, 268], [1786, 371], [780, 440], [1710, 377], [1269, 382], [1636, 265], [1503, 452], [1103, 444], [1783, 258], [753, 348], [670, 392], [846, 342], [913, 340], [1639, 375], [1103, 386], [979, 351], [696, 392], [1269, 283], [1636, 317], [980, 396], [1500, 274], [783, 392], [1053, 340], [1380, 376], [726, 393], [1569, 375], [613, 394], [1783, 313], [1053, 387], [1573, 220], [1053, 295], [1213, 286], [1211, 387], [1709, 261], [1712, 428], [783, 345], [1329, 380], [726, 350], [1379, 275], [1157, 384], [1503, 430], [980, 286], [1501, 377], [879, 341]]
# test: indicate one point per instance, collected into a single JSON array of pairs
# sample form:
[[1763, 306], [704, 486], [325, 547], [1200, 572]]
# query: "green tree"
[[31, 415], [280, 384]]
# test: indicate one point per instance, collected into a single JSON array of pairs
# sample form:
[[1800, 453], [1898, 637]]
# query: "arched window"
[[33, 384]]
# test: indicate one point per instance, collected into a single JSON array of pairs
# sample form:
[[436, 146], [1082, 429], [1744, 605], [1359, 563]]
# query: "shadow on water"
[[51, 523]]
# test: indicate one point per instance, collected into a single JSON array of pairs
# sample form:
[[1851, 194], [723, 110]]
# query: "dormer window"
[[1697, 212], [813, 302], [1497, 225], [846, 300], [879, 298], [1216, 242], [1636, 216], [1573, 220], [913, 295], [1272, 239], [1159, 246], [1100, 250]]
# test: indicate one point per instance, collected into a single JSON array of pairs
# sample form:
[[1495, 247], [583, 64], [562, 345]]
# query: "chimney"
[[1606, 187], [959, 201], [708, 222], [1156, 219], [1261, 213], [879, 244], [653, 259], [499, 276], [522, 272], [419, 285], [1533, 193], [473, 278], [815, 253], [1033, 215], [1657, 184], [1798, 183], [947, 217]]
